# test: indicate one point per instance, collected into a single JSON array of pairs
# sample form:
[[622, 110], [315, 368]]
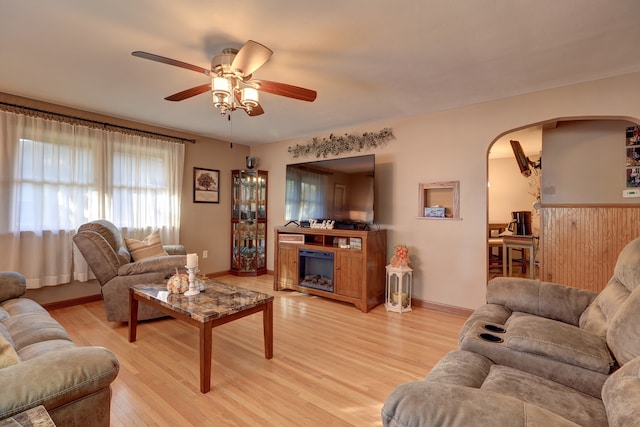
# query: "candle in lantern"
[[394, 298], [192, 260]]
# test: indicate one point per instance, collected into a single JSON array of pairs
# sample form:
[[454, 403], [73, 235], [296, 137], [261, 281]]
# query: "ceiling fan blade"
[[169, 61], [283, 89], [250, 57], [256, 111], [189, 93]]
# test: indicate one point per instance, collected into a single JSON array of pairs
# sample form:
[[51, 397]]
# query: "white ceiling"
[[369, 60]]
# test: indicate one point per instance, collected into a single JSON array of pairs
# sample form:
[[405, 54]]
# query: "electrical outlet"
[[205, 254], [631, 193]]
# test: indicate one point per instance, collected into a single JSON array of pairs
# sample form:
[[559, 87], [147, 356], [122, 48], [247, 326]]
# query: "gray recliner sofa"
[[103, 247], [40, 364], [538, 354]]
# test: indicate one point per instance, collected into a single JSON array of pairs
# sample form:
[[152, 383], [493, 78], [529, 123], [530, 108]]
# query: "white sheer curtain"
[[56, 175], [305, 195]]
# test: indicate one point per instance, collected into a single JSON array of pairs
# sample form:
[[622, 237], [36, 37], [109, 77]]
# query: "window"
[[47, 185], [59, 189]]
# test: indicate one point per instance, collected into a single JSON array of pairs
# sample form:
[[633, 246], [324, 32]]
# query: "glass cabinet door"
[[248, 222]]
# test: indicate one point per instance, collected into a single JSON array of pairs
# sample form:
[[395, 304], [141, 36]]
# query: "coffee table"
[[218, 304]]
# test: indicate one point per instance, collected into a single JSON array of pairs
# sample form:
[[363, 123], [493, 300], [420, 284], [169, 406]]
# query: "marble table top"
[[216, 301], [34, 417]]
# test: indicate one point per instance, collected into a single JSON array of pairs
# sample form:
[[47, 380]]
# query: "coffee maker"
[[520, 223]]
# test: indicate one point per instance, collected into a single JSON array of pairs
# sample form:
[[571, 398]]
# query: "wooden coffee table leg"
[[206, 342], [133, 316], [267, 322]]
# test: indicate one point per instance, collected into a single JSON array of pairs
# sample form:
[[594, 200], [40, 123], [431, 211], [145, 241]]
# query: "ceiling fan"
[[232, 84]]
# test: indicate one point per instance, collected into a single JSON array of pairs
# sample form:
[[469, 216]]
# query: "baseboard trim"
[[445, 308], [71, 302]]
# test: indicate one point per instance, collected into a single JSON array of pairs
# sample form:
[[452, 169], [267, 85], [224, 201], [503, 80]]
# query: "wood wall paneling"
[[580, 244]]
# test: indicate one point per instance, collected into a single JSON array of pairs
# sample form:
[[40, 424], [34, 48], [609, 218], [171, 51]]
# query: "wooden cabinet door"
[[349, 274], [287, 265]]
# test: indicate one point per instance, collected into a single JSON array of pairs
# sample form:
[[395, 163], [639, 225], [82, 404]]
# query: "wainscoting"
[[580, 244]]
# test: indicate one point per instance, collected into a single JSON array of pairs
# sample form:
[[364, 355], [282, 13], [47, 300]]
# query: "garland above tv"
[[336, 145]]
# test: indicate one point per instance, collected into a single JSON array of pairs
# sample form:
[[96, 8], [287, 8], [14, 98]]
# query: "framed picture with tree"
[[206, 185]]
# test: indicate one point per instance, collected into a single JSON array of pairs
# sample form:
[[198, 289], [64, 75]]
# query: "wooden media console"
[[344, 265]]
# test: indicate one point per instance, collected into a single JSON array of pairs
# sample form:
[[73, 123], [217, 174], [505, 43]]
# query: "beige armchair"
[[103, 247]]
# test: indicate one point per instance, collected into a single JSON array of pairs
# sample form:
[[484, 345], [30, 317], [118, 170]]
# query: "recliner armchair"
[[103, 247]]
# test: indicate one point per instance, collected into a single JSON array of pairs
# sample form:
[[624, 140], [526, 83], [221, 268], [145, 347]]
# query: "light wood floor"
[[333, 365]]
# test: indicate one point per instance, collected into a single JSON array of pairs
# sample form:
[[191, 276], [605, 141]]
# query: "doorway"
[[512, 195]]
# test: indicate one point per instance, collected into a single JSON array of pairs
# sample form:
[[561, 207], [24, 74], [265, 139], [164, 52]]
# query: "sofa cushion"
[[558, 341], [565, 401], [597, 316], [8, 355], [149, 247], [623, 334], [627, 268]]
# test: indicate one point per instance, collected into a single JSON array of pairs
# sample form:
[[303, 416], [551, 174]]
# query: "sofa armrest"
[[167, 263], [174, 249], [55, 379], [425, 403], [621, 394], [103, 260], [12, 285], [550, 300]]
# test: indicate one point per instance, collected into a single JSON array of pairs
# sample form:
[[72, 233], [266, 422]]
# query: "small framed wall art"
[[206, 185]]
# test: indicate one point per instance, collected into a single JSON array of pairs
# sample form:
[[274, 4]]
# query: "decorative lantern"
[[399, 279]]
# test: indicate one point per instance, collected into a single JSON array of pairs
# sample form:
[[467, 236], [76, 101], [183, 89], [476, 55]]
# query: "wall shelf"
[[445, 195]]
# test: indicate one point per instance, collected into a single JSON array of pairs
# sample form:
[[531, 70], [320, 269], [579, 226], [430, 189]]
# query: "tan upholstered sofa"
[[538, 354], [103, 247], [40, 365]]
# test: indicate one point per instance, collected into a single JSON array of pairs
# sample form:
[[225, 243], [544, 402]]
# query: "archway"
[[575, 132]]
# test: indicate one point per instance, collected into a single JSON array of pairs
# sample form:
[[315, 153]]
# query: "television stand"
[[358, 257], [292, 222]]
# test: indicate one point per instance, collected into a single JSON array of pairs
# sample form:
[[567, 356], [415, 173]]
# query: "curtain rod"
[[97, 123]]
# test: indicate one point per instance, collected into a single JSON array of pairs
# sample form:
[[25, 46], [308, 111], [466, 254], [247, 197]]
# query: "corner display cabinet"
[[248, 222]]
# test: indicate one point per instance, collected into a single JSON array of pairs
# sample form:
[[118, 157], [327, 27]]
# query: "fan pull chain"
[[230, 130]]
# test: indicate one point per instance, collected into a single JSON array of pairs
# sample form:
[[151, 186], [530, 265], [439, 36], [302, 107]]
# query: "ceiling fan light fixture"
[[249, 97], [221, 86]]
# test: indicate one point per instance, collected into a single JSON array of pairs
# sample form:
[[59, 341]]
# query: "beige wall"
[[449, 257], [597, 151], [207, 226]]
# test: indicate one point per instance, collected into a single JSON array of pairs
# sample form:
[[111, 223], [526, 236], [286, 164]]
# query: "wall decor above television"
[[341, 189]]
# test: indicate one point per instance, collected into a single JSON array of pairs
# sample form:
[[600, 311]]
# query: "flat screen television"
[[341, 190]]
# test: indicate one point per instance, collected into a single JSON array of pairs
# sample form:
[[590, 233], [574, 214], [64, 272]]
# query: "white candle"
[[192, 260]]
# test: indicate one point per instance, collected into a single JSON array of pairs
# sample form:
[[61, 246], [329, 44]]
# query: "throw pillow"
[[149, 247], [8, 355]]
